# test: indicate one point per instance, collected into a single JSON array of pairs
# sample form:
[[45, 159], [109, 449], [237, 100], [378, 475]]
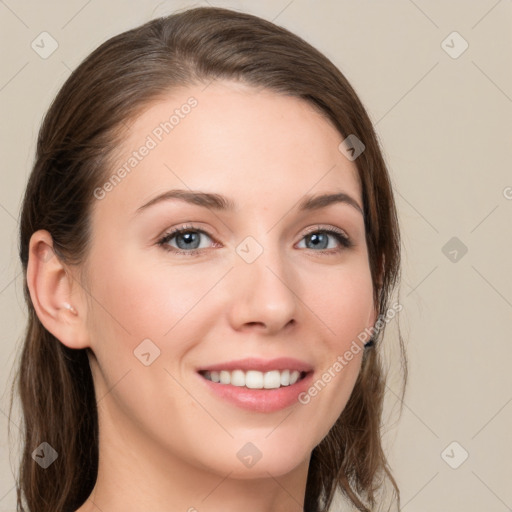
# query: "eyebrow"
[[221, 203]]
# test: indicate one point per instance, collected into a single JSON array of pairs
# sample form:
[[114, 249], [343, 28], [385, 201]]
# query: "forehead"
[[246, 143]]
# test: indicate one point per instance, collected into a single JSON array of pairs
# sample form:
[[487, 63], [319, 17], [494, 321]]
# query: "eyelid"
[[172, 232], [341, 235], [345, 242], [326, 227]]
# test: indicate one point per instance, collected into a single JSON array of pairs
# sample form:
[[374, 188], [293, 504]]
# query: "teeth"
[[272, 380], [253, 379], [294, 377], [238, 378], [225, 377]]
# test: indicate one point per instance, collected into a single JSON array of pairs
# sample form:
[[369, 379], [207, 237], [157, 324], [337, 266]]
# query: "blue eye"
[[320, 237], [188, 240]]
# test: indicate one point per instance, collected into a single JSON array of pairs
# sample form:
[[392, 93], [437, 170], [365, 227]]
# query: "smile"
[[254, 379]]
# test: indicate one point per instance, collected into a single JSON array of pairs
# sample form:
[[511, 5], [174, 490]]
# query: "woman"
[[210, 242]]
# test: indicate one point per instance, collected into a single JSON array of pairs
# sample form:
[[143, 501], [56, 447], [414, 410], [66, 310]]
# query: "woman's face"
[[261, 286]]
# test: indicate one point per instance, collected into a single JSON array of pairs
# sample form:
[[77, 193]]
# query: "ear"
[[55, 293]]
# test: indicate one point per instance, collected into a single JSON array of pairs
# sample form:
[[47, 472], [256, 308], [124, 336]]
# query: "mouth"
[[256, 384], [254, 379]]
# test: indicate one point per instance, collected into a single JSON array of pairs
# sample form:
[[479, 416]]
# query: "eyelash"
[[339, 235]]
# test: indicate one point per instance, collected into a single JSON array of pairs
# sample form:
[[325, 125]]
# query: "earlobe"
[[51, 290], [69, 307]]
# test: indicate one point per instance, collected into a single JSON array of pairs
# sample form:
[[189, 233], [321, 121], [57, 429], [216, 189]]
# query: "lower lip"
[[260, 400]]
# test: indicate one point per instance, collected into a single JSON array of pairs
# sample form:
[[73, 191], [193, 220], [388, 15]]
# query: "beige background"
[[445, 127]]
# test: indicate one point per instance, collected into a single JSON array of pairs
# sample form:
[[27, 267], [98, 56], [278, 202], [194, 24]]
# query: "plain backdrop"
[[436, 78]]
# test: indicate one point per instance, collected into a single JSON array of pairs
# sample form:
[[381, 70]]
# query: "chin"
[[262, 469], [253, 461]]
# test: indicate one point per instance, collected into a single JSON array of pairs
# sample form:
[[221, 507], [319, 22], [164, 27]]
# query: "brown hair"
[[75, 148]]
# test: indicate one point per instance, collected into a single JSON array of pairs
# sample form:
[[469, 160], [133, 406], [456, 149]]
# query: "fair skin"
[[167, 443]]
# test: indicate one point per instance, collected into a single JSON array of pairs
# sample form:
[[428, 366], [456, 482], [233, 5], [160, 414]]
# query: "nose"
[[262, 296]]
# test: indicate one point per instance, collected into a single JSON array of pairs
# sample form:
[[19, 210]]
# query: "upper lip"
[[262, 365]]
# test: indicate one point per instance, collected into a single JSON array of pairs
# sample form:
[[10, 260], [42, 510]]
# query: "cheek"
[[134, 300], [177, 306], [343, 305], [145, 300], [173, 306]]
